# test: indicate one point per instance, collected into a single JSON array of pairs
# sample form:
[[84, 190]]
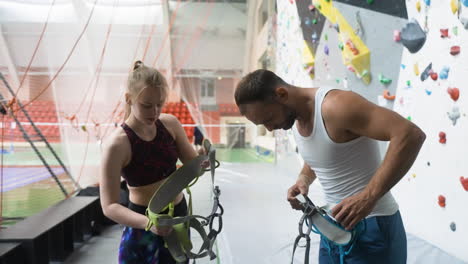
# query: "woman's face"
[[146, 108]]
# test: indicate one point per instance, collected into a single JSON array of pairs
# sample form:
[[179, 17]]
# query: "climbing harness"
[[317, 220], [178, 241]]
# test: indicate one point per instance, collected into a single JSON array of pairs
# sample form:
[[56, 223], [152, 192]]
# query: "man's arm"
[[304, 180], [360, 117]]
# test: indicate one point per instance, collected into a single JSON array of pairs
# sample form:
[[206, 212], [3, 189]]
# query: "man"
[[337, 132]]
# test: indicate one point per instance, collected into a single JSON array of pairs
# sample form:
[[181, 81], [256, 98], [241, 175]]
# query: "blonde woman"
[[144, 151]]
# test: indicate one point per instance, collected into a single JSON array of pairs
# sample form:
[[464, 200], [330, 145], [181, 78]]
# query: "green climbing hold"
[[319, 6], [337, 80], [370, 2], [455, 31], [314, 21], [384, 80], [340, 45], [409, 118], [408, 83], [326, 36]]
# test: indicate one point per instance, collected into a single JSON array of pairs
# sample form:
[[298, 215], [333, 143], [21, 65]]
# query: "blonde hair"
[[143, 77]]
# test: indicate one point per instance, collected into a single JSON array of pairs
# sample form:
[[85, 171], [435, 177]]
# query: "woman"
[[144, 151]]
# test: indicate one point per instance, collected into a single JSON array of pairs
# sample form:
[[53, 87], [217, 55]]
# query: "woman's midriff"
[[141, 195]]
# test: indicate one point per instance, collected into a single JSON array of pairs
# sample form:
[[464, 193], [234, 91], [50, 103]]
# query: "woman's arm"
[[185, 149], [113, 159]]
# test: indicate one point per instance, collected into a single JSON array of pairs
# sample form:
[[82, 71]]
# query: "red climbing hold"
[[441, 201], [444, 33], [455, 50], [442, 138], [454, 93], [464, 182], [434, 76]]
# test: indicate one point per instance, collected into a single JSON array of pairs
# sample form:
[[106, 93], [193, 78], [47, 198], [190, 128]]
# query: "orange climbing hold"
[[442, 138], [351, 47], [442, 201], [464, 182], [386, 95]]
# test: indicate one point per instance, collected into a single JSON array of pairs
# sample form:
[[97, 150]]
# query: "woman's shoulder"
[[117, 140]]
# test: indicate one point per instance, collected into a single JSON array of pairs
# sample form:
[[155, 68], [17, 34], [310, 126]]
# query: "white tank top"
[[343, 169]]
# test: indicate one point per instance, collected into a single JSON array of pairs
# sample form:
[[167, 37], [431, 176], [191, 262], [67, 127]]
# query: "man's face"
[[272, 115]]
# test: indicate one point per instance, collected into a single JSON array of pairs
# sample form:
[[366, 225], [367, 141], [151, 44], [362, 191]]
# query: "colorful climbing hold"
[[453, 226], [326, 36], [408, 84], [413, 36], [427, 2], [314, 21], [464, 182], [442, 138], [454, 93], [464, 3], [418, 6], [428, 92], [396, 35], [441, 201], [311, 7], [409, 118], [455, 50], [434, 76], [454, 114], [414, 175], [403, 66], [416, 69], [443, 75], [352, 47], [340, 45], [83, 127], [383, 80], [386, 95], [326, 50], [444, 33], [425, 74], [454, 6], [370, 2], [351, 68]]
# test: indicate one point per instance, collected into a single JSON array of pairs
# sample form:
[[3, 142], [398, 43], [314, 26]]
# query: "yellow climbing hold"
[[454, 6], [416, 69], [355, 53], [418, 6], [309, 60], [414, 175]]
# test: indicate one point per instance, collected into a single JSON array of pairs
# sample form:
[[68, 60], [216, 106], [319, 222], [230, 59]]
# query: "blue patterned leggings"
[[145, 247]]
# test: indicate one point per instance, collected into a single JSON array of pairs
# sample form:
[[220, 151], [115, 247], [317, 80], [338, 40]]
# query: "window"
[[207, 89]]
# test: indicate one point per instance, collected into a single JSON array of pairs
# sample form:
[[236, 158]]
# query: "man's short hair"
[[257, 86]]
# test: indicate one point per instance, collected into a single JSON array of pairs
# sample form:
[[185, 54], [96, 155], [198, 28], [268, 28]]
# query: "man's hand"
[[299, 188], [353, 209]]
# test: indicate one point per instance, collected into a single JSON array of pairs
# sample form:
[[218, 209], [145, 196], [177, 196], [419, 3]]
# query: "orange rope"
[[166, 36], [35, 49], [66, 60], [97, 74], [192, 41], [153, 27]]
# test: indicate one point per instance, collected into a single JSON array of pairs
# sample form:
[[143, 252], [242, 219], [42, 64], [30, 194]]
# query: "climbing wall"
[[433, 196], [400, 39]]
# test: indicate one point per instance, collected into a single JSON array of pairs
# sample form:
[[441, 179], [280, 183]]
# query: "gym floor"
[[259, 226]]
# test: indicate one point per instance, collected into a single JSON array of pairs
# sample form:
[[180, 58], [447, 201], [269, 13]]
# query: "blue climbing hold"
[[443, 75], [428, 2], [428, 92], [464, 2]]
